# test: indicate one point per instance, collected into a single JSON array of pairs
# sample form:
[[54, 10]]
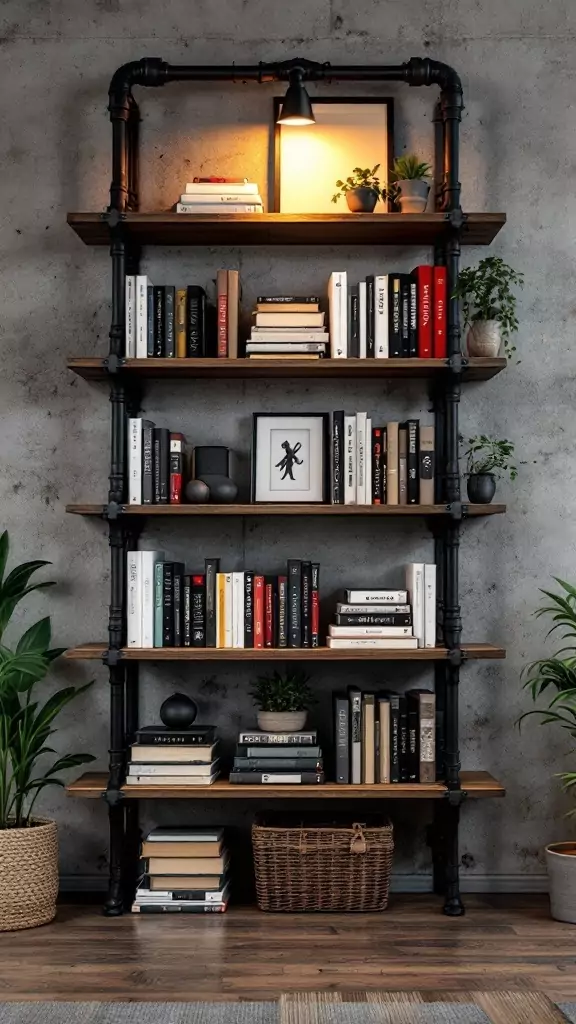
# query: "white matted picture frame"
[[290, 458], [308, 160]]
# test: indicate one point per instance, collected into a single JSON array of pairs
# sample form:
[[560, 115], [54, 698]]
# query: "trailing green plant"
[[25, 723], [409, 168], [557, 673], [486, 292], [361, 178], [288, 692], [489, 455]]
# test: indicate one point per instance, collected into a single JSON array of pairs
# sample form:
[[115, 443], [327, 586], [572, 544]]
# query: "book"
[[426, 703], [429, 605], [392, 488], [147, 462], [222, 312], [211, 568], [337, 458], [294, 603], [426, 465], [259, 602], [402, 465], [350, 460], [285, 355], [171, 780], [178, 907], [237, 609], [183, 883], [267, 764], [337, 302], [289, 319], [149, 752], [232, 313], [306, 604], [278, 738], [302, 778], [168, 605], [135, 461], [159, 604], [195, 321], [165, 834], [148, 562], [248, 609], [288, 335], [169, 328], [183, 865], [405, 314], [228, 610], [221, 199], [383, 765], [384, 459], [178, 605], [279, 751], [413, 482], [142, 284], [380, 632], [282, 611], [372, 643], [353, 322], [394, 319], [144, 894], [221, 186], [176, 468], [412, 316], [158, 321], [193, 736], [381, 322], [440, 298], [180, 318], [394, 705], [134, 599], [376, 480], [187, 613], [413, 737], [376, 596], [355, 701], [198, 610], [364, 608], [130, 316], [268, 612], [150, 327], [362, 321], [368, 463], [220, 609], [403, 736], [303, 302], [315, 605], [216, 208], [341, 738], [161, 465], [370, 316], [155, 770], [286, 348], [368, 739], [373, 618], [361, 430], [415, 586]]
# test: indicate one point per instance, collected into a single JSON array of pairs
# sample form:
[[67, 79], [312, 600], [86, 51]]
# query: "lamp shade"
[[296, 107]]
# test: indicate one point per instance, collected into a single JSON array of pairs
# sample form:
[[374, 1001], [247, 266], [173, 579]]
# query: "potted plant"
[[282, 700], [558, 675], [362, 190], [411, 186], [486, 458], [489, 305], [28, 845]]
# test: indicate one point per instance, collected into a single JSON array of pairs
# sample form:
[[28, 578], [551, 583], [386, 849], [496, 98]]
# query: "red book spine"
[[258, 611], [176, 468], [268, 615], [424, 285], [440, 297], [222, 312], [227, 181], [315, 605]]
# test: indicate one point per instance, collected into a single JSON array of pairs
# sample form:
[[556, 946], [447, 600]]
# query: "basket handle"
[[358, 842]]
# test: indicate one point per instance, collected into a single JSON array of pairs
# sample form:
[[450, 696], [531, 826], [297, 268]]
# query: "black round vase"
[[481, 488], [178, 711]]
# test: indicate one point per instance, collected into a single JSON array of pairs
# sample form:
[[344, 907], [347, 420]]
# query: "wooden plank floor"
[[502, 944]]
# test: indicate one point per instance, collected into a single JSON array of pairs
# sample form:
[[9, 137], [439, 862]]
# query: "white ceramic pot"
[[413, 195], [561, 864], [282, 721], [484, 338]]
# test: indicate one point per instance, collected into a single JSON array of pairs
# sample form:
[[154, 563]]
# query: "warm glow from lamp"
[[296, 106]]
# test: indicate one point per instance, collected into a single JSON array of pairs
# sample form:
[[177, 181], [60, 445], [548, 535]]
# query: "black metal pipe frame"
[[124, 115]]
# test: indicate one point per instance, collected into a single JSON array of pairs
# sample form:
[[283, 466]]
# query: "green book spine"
[[158, 603]]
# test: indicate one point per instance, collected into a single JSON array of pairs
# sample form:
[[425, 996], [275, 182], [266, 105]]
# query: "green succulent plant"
[[409, 168], [288, 692]]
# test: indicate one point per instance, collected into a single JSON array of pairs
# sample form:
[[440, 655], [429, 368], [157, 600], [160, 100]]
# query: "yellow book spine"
[[181, 323], [220, 609]]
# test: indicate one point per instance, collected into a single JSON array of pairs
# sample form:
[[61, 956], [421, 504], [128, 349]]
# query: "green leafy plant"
[[557, 673], [277, 692], [361, 178], [486, 292], [409, 168], [25, 724], [489, 455]]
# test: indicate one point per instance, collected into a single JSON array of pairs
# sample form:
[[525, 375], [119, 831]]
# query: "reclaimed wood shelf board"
[[372, 511], [94, 652]]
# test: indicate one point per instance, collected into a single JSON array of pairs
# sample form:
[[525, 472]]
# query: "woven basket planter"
[[324, 868], [28, 875]]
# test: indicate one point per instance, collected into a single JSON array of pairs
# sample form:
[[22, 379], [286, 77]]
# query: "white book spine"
[[377, 596], [287, 347], [361, 420], [222, 199], [344, 312], [381, 345], [228, 610], [368, 464], [373, 643], [135, 461], [363, 632], [141, 316], [148, 560], [350, 456], [217, 208], [238, 609], [335, 302], [429, 605], [415, 587], [134, 610], [219, 188], [362, 319], [372, 609], [130, 314]]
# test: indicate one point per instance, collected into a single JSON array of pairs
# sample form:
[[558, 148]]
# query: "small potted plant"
[[489, 306], [282, 700], [28, 845], [487, 458], [558, 675], [362, 190], [411, 186]]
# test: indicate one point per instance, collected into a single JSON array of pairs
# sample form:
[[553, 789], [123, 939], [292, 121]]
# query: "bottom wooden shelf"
[[93, 652], [476, 784]]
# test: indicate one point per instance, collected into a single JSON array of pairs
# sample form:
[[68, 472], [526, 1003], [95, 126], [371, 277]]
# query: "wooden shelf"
[[372, 511], [232, 229], [476, 784], [94, 652], [93, 368]]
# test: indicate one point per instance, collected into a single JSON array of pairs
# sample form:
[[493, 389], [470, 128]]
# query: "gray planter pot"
[[413, 195], [485, 338], [481, 488], [561, 864], [282, 721], [361, 200]]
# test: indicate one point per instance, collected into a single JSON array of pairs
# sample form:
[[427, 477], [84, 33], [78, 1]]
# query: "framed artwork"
[[289, 457], [348, 133]]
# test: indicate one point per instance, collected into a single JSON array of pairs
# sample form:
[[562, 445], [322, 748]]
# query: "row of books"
[[155, 464], [392, 464], [287, 326], [389, 315], [169, 608], [193, 761], [185, 870], [388, 619], [386, 737], [272, 758], [220, 195]]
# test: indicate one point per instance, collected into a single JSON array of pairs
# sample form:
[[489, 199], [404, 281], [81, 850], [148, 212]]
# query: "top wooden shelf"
[[232, 229]]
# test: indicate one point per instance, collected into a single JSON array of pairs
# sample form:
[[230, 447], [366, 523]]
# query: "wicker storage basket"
[[28, 875], [323, 867]]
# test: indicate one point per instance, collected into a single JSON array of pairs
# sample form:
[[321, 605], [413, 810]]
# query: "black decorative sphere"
[[223, 490], [178, 711], [197, 492]]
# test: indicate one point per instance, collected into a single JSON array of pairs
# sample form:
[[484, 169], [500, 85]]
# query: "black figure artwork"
[[290, 459]]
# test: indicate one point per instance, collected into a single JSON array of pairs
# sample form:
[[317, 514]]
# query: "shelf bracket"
[[112, 657], [455, 797], [113, 363], [457, 510], [113, 797], [456, 219], [456, 657], [112, 511], [457, 363]]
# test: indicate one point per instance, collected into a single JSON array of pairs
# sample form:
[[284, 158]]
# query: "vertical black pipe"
[[119, 107], [451, 106], [117, 490], [453, 905], [116, 769], [114, 905], [132, 825], [133, 163]]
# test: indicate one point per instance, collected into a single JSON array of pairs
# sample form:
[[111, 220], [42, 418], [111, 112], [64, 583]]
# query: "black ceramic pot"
[[178, 711], [481, 488], [361, 200]]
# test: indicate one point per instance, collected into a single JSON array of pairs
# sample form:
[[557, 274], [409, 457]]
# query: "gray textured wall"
[[518, 154]]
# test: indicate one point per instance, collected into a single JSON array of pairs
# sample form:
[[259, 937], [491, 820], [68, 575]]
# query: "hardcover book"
[[237, 775], [198, 611], [294, 603], [196, 322], [211, 566], [427, 465], [412, 428], [249, 609], [370, 317], [169, 324], [440, 298], [306, 604], [158, 321], [338, 458], [342, 738], [279, 738], [355, 699], [180, 317], [423, 275], [147, 462], [315, 605], [394, 323]]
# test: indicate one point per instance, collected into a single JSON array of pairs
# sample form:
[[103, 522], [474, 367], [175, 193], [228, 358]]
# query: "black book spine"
[[275, 611], [370, 340], [156, 465], [161, 465], [198, 602], [377, 433], [196, 321], [168, 606], [294, 603], [342, 739], [384, 459], [173, 738], [304, 778], [394, 738], [212, 566], [405, 314], [306, 604], [412, 461], [413, 740], [187, 615], [158, 321], [248, 609], [354, 334], [373, 619], [277, 299], [169, 334], [338, 458], [403, 739], [315, 604], [150, 321], [413, 318], [282, 611], [178, 603], [147, 463], [394, 317]]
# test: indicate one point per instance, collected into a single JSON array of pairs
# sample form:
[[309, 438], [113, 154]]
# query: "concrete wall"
[[518, 154]]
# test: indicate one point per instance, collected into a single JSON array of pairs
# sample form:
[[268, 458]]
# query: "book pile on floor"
[[287, 327], [185, 872], [388, 619], [388, 464], [389, 315], [265, 758], [173, 757], [385, 737], [220, 195]]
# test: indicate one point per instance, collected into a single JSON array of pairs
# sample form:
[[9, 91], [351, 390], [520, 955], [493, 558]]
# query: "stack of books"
[[388, 619], [275, 758], [220, 195], [173, 757], [389, 315], [287, 327], [385, 737], [185, 872], [390, 464], [155, 464]]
